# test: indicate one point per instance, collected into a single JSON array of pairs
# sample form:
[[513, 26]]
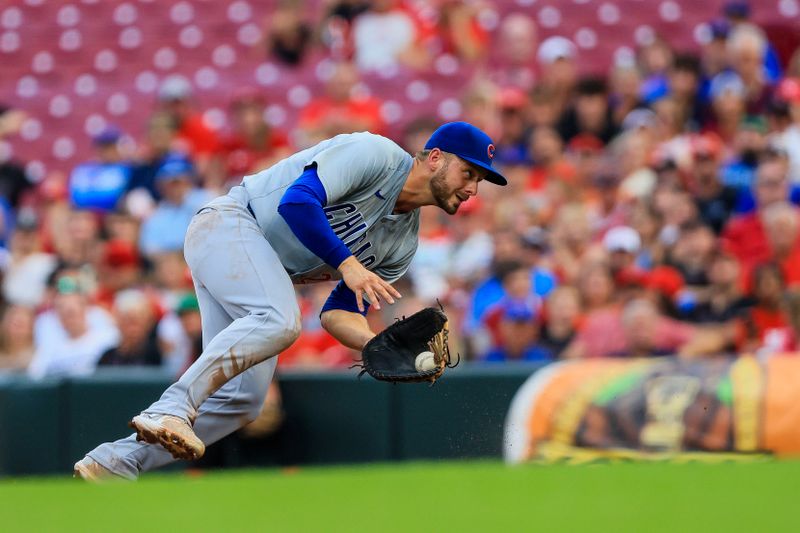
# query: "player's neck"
[[416, 190]]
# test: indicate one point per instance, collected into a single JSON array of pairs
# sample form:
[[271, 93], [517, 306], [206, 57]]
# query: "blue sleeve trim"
[[344, 299], [301, 208]]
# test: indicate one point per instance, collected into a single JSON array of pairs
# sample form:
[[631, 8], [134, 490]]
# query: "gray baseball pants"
[[249, 314]]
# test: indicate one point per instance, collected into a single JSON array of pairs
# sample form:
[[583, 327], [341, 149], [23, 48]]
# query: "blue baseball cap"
[[470, 144], [175, 167]]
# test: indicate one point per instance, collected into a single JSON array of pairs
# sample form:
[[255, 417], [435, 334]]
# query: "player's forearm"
[[351, 329]]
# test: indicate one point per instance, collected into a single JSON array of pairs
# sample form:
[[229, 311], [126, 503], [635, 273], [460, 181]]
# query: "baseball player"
[[348, 209]]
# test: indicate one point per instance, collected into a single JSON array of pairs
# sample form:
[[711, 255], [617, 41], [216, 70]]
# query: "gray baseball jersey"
[[247, 302], [362, 174]]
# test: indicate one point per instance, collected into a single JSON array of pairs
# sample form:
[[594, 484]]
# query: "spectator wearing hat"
[[25, 275], [750, 143], [747, 48], [160, 143], [727, 93], [135, 317], [253, 144], [119, 268], [512, 145], [72, 337], [715, 201], [713, 55], [166, 228], [557, 59], [737, 13], [176, 99], [517, 332], [512, 320], [188, 310], [98, 185], [623, 244], [512, 252]]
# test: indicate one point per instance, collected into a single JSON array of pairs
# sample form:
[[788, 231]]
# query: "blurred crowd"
[[651, 210]]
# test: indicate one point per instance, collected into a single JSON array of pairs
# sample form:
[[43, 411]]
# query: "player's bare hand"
[[365, 283]]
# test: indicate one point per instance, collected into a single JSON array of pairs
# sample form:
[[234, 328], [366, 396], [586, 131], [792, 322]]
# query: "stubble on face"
[[441, 192]]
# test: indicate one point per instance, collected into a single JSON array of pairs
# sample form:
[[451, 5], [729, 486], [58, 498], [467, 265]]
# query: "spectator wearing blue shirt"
[[98, 185], [162, 136], [165, 229], [518, 333], [533, 246], [737, 13], [740, 172]]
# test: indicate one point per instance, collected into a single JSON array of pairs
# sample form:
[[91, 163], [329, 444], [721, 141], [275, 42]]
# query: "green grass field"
[[452, 496]]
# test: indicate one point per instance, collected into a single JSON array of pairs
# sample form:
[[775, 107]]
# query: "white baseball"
[[425, 361]]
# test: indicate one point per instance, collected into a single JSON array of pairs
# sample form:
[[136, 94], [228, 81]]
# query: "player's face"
[[454, 183]]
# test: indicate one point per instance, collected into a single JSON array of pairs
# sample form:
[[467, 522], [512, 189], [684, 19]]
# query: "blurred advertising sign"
[[657, 408]]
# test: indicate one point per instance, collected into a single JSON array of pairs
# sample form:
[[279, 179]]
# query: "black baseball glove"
[[391, 354]]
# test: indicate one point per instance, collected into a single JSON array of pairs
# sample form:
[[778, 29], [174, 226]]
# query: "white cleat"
[[173, 433]]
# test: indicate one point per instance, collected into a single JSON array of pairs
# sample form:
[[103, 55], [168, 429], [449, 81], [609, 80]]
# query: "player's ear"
[[435, 159]]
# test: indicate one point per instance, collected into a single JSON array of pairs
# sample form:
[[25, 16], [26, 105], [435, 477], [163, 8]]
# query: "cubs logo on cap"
[[470, 144]]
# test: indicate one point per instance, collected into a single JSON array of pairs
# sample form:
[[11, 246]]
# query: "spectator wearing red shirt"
[[744, 236], [341, 109], [387, 36], [782, 228], [194, 136], [253, 144], [550, 165], [175, 97], [766, 325], [639, 330], [451, 27]]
